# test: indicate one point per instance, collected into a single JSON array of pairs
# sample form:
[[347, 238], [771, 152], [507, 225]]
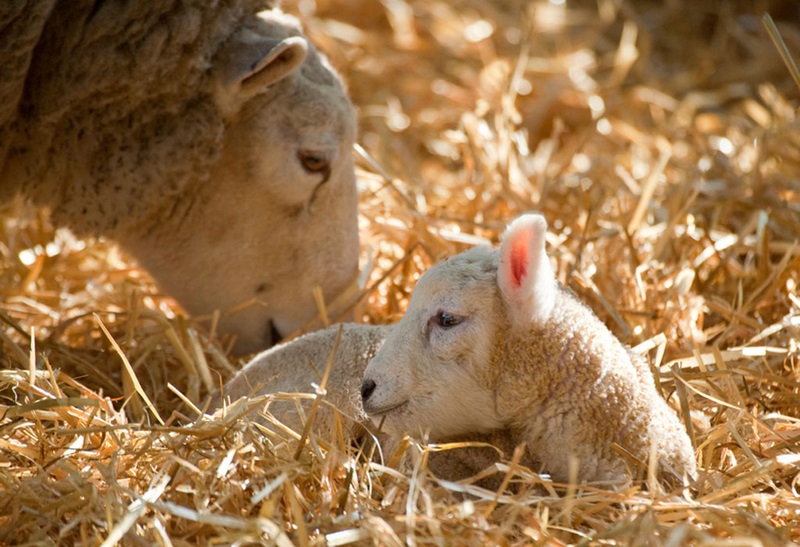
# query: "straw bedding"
[[661, 142]]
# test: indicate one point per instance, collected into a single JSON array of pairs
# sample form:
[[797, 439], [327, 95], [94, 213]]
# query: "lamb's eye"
[[446, 319], [313, 162]]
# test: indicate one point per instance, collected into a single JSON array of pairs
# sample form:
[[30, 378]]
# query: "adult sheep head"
[[277, 215], [212, 142]]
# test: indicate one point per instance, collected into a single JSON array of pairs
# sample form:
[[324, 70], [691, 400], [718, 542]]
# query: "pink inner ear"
[[519, 256]]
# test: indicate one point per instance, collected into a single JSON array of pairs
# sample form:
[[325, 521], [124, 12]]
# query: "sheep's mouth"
[[272, 335], [378, 413]]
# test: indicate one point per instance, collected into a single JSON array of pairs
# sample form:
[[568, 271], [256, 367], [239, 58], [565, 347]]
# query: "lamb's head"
[[435, 371], [431, 373], [278, 214]]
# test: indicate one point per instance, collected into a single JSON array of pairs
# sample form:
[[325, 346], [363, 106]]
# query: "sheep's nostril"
[[367, 388], [272, 335]]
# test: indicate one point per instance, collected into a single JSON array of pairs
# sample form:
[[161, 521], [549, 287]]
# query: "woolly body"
[[297, 366]]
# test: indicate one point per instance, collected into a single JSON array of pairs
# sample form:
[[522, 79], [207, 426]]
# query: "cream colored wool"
[[298, 366]]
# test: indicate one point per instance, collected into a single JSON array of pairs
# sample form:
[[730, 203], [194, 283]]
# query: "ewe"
[[212, 142], [491, 341]]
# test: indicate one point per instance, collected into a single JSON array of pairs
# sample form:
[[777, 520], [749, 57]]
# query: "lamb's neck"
[[569, 353]]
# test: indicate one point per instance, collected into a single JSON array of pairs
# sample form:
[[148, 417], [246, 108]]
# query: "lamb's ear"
[[526, 280], [252, 63]]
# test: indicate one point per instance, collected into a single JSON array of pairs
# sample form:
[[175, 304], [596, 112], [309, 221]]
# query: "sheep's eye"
[[313, 163], [446, 320]]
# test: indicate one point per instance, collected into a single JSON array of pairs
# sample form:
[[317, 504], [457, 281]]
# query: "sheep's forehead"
[[282, 24]]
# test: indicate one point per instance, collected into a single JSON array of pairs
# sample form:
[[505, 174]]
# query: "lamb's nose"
[[367, 388]]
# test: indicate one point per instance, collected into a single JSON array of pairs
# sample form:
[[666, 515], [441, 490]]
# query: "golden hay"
[[662, 142]]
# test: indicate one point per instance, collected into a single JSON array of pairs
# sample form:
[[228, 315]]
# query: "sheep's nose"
[[367, 388]]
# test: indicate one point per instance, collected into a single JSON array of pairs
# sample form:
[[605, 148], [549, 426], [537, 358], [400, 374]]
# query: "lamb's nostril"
[[367, 388]]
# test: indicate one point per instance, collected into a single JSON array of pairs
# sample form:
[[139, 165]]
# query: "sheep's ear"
[[526, 280], [273, 62], [252, 63]]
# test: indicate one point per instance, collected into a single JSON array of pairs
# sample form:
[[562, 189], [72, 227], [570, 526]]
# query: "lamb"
[[491, 341], [214, 143]]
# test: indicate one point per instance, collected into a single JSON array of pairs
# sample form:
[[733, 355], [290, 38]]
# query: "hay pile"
[[661, 141]]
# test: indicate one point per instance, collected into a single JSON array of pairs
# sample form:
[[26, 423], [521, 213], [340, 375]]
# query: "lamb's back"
[[298, 365]]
